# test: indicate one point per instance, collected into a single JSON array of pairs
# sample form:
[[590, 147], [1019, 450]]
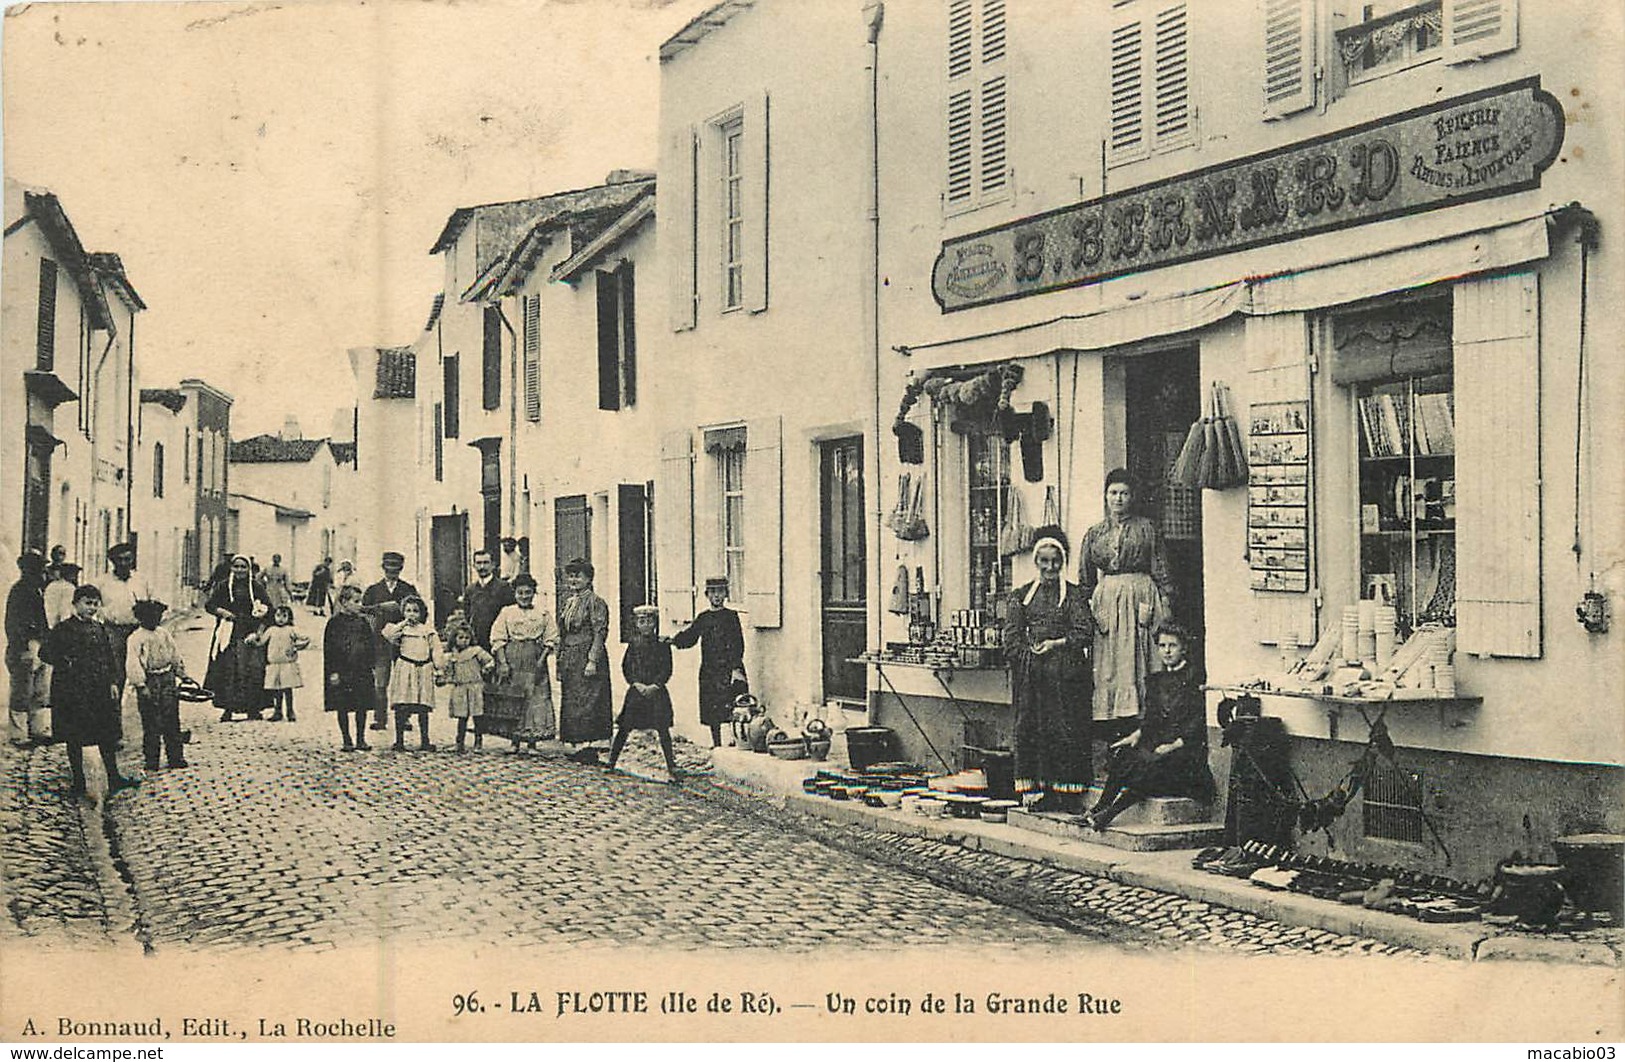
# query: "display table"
[[1335, 704], [955, 684]]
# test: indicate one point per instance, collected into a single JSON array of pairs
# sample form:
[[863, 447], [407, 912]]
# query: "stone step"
[[1140, 837], [1158, 811]]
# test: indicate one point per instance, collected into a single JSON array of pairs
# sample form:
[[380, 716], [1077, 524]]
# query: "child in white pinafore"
[[411, 677], [282, 645], [466, 666]]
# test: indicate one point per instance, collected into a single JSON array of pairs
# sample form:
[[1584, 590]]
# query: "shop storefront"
[[1397, 335]]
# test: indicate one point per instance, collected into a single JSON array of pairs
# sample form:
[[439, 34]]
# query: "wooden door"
[[448, 562], [844, 567]]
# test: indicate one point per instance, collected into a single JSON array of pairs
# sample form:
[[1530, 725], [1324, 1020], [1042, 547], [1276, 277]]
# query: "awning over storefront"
[[1134, 319]]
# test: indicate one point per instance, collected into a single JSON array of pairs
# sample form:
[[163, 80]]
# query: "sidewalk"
[[779, 782]]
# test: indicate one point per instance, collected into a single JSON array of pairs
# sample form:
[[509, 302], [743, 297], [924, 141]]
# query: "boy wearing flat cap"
[[381, 604], [722, 656], [153, 665]]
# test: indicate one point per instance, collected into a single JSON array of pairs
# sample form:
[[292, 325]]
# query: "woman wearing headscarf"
[[237, 670], [1124, 571], [1047, 631], [584, 697], [321, 581]]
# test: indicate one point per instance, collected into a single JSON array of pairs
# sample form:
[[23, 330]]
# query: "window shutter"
[[961, 37], [491, 364], [451, 392], [961, 131], [531, 309], [1497, 378], [993, 172], [1289, 57], [993, 36], [764, 520], [1127, 139], [679, 227], [1474, 29], [631, 514], [1278, 371], [629, 337], [46, 355], [609, 332], [674, 537], [1171, 66], [439, 448], [758, 185]]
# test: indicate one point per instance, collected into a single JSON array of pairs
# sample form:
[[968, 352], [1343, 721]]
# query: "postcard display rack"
[[1278, 496]]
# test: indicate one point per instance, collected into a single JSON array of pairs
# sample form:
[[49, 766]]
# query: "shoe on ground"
[[120, 784], [359, 747], [177, 764], [277, 718], [347, 747]]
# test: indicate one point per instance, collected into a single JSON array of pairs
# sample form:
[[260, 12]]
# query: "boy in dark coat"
[[722, 656], [347, 658], [85, 690], [1167, 754]]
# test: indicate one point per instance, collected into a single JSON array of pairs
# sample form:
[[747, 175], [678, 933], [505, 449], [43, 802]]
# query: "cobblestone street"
[[276, 837]]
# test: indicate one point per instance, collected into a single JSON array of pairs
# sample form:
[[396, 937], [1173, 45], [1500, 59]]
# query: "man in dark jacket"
[[381, 604], [483, 598], [25, 630]]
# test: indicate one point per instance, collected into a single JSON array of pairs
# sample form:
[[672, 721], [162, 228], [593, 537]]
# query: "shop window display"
[[988, 474]]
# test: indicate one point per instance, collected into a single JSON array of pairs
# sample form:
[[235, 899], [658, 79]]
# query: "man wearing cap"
[[483, 598], [25, 630], [381, 604], [121, 589]]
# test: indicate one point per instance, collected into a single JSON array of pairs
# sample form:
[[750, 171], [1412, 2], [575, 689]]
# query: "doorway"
[[1163, 398], [572, 537], [448, 562], [843, 564]]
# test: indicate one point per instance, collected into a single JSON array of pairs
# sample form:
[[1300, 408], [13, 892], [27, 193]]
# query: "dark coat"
[[722, 649], [25, 615], [382, 606], [1174, 708], [85, 668], [347, 651], [482, 603], [646, 660]]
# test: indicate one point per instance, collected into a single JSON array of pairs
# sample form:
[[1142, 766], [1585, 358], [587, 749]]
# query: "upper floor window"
[[531, 313], [617, 339], [46, 354], [451, 393], [491, 362], [1149, 73], [1367, 40], [733, 214], [978, 167], [186, 455], [157, 470]]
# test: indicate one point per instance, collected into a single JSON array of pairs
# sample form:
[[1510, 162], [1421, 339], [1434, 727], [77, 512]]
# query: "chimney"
[[628, 176], [290, 428]]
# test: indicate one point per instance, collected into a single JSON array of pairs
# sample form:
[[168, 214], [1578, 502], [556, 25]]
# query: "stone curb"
[[1168, 872]]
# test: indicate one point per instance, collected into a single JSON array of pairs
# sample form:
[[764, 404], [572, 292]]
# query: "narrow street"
[[274, 837]]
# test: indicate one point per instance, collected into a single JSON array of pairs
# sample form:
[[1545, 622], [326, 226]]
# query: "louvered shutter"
[[993, 171], [629, 337], [609, 341], [1497, 379], [977, 113], [764, 521], [1127, 137], [961, 137], [1474, 29], [45, 359], [451, 391], [758, 185], [1289, 57], [491, 360], [532, 311], [674, 533], [1171, 104], [632, 525], [1278, 371], [679, 227]]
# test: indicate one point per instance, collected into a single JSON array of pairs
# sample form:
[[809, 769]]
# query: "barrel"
[[1596, 871], [1000, 767], [868, 745]]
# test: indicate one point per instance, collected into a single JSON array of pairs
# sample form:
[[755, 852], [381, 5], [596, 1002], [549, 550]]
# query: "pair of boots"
[[462, 736], [403, 718], [29, 728], [673, 775], [116, 781]]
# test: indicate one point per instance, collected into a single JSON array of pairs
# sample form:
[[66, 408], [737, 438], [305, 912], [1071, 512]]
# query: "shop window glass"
[[988, 476], [731, 470]]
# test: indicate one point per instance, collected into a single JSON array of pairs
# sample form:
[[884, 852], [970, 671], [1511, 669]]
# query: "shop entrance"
[[448, 561], [1163, 398], [843, 601]]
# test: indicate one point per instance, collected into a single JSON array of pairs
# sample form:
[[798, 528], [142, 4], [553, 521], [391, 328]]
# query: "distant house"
[[286, 499]]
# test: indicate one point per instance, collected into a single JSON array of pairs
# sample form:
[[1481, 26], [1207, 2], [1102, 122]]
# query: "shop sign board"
[[1493, 142]]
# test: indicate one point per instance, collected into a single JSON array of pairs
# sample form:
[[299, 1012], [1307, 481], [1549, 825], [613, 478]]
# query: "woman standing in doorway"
[[1123, 568], [1046, 638], [584, 698]]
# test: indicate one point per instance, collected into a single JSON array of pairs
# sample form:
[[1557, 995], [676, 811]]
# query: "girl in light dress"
[[522, 638], [282, 645], [464, 671], [411, 678]]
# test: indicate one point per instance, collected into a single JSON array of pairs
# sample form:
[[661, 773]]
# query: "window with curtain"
[[727, 448]]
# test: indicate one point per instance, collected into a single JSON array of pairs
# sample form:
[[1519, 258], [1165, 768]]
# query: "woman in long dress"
[[523, 636], [278, 586], [321, 580], [1124, 572], [1047, 632], [584, 697], [237, 670]]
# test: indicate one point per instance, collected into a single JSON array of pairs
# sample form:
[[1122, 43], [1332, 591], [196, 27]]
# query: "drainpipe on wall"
[[874, 16], [513, 425], [129, 437]]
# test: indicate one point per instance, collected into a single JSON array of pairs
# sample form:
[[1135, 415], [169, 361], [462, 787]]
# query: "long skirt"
[[1051, 697], [522, 707], [584, 701], [1123, 648], [237, 677]]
